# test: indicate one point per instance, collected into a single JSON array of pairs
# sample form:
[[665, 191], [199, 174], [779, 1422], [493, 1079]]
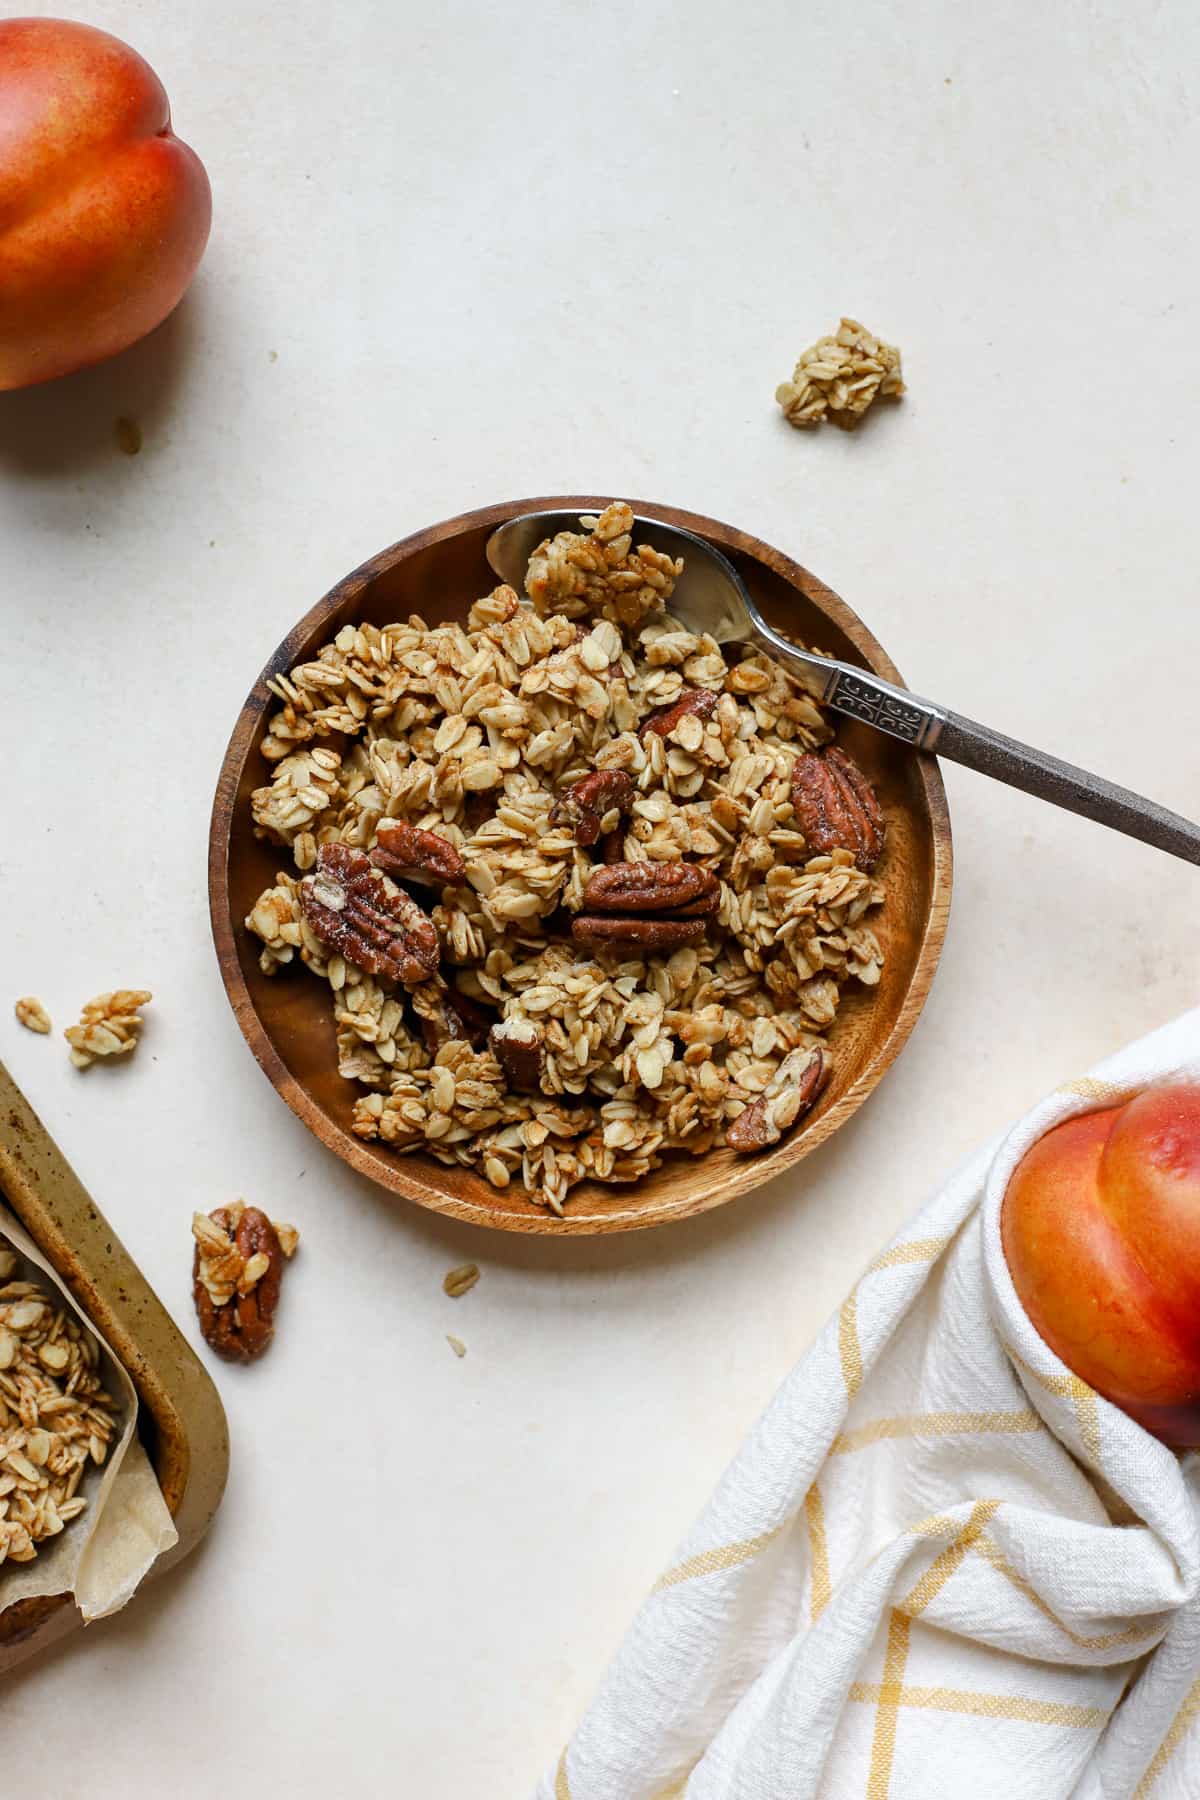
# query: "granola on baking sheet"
[[549, 862], [56, 1418]]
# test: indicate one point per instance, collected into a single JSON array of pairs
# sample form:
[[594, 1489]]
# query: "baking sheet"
[[101, 1557]]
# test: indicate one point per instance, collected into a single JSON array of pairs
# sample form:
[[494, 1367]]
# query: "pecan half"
[[587, 803], [681, 888], [407, 853], [517, 1046], [355, 910], [792, 1091], [455, 1015], [836, 808], [655, 932], [700, 702], [241, 1328]]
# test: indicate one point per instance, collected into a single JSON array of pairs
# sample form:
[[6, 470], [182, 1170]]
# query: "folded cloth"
[[941, 1568]]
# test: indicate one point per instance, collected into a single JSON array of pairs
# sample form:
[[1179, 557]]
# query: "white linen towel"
[[941, 1567]]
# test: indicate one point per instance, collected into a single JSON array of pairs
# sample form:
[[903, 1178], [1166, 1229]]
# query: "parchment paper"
[[102, 1556]]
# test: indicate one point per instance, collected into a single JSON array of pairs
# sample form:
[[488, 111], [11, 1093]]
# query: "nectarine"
[[1101, 1232], [104, 213]]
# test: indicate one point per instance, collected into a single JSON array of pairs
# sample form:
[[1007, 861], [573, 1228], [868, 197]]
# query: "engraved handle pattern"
[[877, 703]]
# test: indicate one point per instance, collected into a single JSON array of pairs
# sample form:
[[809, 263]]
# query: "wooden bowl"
[[286, 1019]]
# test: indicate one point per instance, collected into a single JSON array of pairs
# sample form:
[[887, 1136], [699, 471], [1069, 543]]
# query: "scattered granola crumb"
[[32, 1014], [236, 1268], [128, 435], [839, 377], [456, 1344], [56, 1417], [461, 1280], [108, 1026]]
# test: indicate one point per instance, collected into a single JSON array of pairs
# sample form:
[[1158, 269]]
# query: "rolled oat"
[[459, 1281], [32, 1014]]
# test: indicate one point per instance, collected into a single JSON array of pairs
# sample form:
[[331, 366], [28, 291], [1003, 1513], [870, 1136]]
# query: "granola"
[[552, 863], [237, 1265], [109, 1025], [459, 1281], [56, 1418], [32, 1014], [839, 377]]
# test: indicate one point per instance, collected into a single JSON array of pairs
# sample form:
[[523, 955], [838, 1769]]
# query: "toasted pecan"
[[357, 911], [835, 806]]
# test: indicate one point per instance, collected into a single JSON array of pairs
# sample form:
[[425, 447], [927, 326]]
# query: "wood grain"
[[286, 1018]]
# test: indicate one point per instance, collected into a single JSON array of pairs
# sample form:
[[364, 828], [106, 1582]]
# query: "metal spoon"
[[711, 596]]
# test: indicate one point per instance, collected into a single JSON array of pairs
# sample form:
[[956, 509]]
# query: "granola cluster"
[[109, 1025], [56, 1419], [601, 817], [839, 377], [237, 1266]]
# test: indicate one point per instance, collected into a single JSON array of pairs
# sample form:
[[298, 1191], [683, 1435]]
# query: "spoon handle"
[[894, 710], [1047, 777]]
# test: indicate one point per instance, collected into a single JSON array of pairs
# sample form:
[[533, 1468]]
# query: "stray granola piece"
[[683, 889], [237, 1267], [517, 1046], [56, 1418], [594, 804], [697, 703], [108, 1026], [836, 808], [839, 377], [456, 1344], [460, 1280], [793, 1091], [32, 1014], [408, 854], [640, 937], [357, 911]]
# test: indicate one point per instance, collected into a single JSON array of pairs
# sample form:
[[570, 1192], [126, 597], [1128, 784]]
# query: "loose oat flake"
[[840, 377], [632, 940], [32, 1014], [456, 1344], [461, 1280], [108, 1026]]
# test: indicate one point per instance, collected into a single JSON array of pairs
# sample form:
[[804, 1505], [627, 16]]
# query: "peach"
[[1101, 1232], [104, 213]]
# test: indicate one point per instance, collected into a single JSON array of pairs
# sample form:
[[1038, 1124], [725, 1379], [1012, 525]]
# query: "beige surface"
[[485, 274]]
